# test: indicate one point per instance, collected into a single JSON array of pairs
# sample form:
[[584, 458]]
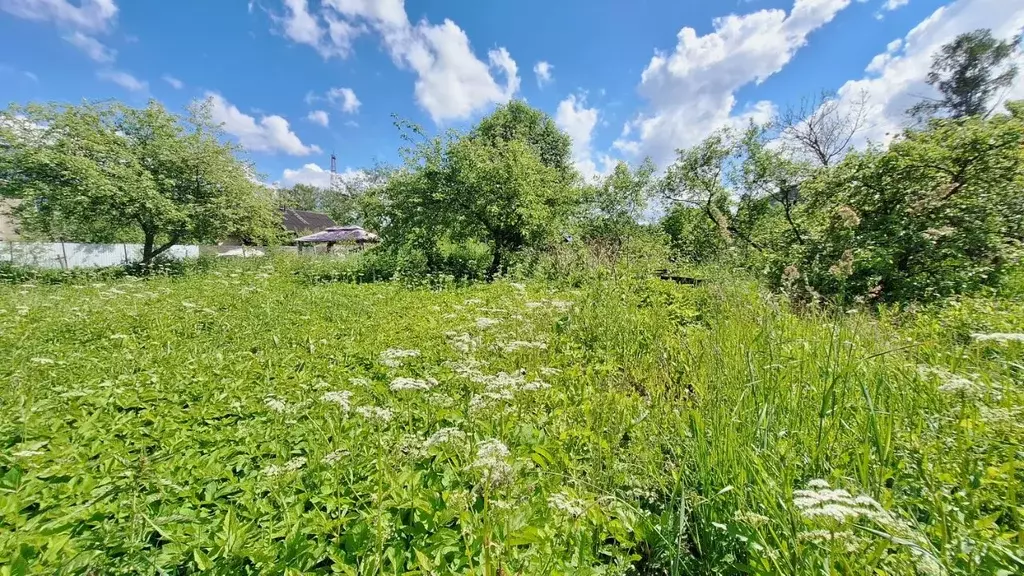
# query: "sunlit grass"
[[246, 421]]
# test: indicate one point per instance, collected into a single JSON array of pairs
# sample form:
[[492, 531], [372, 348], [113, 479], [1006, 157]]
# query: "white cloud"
[[319, 117], [575, 119], [92, 47], [543, 71], [692, 91], [270, 134], [174, 82], [313, 175], [895, 79], [31, 76], [90, 15], [894, 4], [451, 83], [329, 36], [124, 80], [345, 98]]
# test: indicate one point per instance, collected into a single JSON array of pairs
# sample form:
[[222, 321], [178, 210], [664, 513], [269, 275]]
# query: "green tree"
[[968, 73], [519, 121], [466, 188], [97, 172], [612, 209]]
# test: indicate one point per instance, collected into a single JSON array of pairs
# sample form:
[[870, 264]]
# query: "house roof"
[[303, 222], [341, 234]]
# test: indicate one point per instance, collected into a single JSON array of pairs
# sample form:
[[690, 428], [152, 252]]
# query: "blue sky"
[[294, 80]]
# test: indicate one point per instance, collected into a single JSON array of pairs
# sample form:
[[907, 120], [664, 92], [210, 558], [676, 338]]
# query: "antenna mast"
[[336, 184]]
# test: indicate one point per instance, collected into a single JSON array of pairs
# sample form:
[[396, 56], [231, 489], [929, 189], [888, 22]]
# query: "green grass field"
[[245, 421]]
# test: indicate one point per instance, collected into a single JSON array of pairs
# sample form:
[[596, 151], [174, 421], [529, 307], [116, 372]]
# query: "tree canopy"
[[98, 172]]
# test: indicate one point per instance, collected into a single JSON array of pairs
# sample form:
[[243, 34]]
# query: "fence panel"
[[76, 255]]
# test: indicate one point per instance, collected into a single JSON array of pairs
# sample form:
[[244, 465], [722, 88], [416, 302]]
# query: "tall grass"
[[234, 422]]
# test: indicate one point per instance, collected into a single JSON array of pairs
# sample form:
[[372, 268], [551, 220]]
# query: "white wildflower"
[[375, 413], [43, 360], [334, 457], [535, 385], [392, 357], [516, 345], [817, 484], [484, 323], [276, 404], [342, 399], [560, 304], [412, 384], [490, 459], [462, 342], [292, 465], [569, 506], [550, 371], [1001, 337], [359, 381], [444, 436], [438, 400]]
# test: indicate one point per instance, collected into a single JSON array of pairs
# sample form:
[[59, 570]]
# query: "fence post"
[[125, 248], [64, 251]]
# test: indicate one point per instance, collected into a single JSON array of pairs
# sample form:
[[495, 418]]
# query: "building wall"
[[74, 255]]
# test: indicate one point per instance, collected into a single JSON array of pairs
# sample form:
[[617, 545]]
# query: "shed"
[[301, 222], [340, 235]]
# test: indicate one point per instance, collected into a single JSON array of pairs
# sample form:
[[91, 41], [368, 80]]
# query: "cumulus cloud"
[[92, 47], [124, 80], [313, 175], [574, 118], [345, 98], [691, 91], [174, 82], [319, 117], [451, 81], [894, 4], [269, 134], [895, 79], [88, 15], [543, 71]]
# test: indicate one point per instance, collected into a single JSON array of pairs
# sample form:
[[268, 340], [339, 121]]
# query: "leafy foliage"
[[968, 73], [103, 172]]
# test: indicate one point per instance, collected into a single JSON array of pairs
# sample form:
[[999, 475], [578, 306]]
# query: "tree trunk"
[[147, 248], [496, 262]]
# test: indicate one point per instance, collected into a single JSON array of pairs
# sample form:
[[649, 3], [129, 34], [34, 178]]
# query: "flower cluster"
[[491, 458], [517, 345], [393, 357], [484, 323], [462, 342], [342, 399], [572, 507], [276, 404], [444, 436], [412, 384], [1001, 337], [291, 466], [375, 413], [334, 457]]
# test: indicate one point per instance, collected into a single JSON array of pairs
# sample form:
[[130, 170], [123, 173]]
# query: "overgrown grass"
[[246, 420]]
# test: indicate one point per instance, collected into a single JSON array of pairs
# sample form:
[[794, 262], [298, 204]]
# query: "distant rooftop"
[[304, 222], [341, 234]]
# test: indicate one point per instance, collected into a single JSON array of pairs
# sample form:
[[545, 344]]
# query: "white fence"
[[73, 255]]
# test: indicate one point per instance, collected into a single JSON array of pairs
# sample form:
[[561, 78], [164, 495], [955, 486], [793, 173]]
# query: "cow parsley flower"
[[359, 381], [412, 384], [342, 399], [276, 404], [292, 465], [517, 345], [462, 342], [444, 436], [334, 457], [491, 458], [393, 357], [550, 371], [571, 507], [484, 323], [375, 413]]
